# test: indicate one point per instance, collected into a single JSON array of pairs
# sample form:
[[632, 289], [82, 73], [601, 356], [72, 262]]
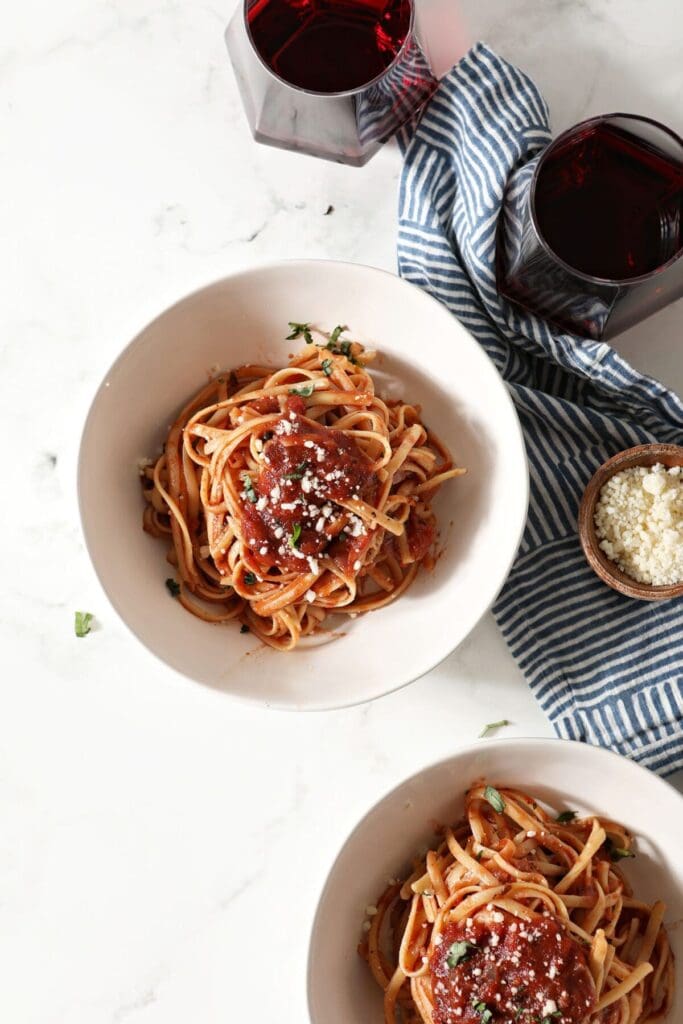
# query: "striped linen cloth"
[[606, 669]]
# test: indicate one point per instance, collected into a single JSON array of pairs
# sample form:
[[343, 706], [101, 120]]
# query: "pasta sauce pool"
[[292, 513], [498, 968]]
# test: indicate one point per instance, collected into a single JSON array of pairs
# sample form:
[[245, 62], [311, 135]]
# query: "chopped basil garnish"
[[458, 952], [267, 436], [296, 533], [304, 390], [493, 725], [334, 336], [82, 622], [485, 1015], [327, 367], [172, 587], [250, 578], [298, 473], [244, 628], [566, 817], [249, 490], [494, 798], [342, 348], [617, 852], [299, 329]]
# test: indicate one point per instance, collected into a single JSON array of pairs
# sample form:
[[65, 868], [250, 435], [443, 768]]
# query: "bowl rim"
[[603, 567], [610, 757], [245, 271]]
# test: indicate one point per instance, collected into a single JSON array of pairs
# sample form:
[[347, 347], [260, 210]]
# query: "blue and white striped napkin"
[[605, 668]]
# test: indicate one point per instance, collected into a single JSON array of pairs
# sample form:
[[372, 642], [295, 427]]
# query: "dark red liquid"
[[609, 205], [329, 45]]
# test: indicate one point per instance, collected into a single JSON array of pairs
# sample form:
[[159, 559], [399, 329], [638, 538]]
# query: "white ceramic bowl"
[[244, 318], [570, 775]]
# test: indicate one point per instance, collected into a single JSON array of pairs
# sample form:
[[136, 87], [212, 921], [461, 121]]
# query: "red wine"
[[329, 46], [609, 205]]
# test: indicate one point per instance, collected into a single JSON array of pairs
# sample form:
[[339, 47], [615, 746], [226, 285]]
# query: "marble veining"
[[150, 827]]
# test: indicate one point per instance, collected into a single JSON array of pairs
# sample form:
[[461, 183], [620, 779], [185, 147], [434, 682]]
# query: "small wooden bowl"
[[608, 571]]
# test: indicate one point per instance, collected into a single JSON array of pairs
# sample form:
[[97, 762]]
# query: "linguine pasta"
[[290, 494], [520, 917]]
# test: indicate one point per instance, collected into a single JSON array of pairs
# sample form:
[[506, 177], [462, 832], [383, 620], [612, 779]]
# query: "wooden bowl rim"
[[641, 455]]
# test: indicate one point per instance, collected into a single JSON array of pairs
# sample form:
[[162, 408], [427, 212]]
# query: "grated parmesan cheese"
[[639, 523]]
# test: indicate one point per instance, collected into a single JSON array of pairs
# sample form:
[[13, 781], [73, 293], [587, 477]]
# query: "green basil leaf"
[[303, 390], [82, 622], [298, 473], [565, 817], [458, 952], [296, 533], [619, 853], [482, 1009], [249, 491], [334, 335], [494, 798]]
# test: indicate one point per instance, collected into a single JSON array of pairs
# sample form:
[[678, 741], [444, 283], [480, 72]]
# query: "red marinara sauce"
[[292, 514], [421, 536], [514, 972]]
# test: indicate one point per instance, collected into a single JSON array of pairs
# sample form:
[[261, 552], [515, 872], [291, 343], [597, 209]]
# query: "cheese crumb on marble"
[[639, 523]]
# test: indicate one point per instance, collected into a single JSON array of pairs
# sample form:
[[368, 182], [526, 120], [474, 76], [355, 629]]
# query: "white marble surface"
[[161, 848]]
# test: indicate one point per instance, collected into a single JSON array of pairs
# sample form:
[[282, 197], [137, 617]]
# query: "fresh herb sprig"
[[343, 347], [296, 534], [566, 817], [297, 330]]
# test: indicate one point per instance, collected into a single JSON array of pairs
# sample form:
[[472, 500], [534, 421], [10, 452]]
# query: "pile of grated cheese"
[[639, 523]]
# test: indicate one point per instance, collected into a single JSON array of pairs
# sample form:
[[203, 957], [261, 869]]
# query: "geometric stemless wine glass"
[[592, 240], [331, 78]]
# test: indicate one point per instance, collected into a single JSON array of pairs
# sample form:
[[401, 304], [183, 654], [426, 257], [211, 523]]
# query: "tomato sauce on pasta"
[[519, 916], [287, 495]]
